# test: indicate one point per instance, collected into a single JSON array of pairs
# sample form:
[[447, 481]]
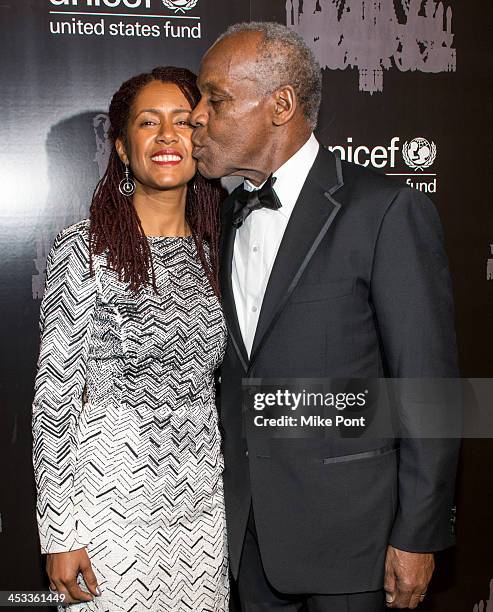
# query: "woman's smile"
[[167, 157]]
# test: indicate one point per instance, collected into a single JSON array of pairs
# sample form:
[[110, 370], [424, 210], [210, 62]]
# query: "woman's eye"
[[148, 122], [183, 122], [215, 102]]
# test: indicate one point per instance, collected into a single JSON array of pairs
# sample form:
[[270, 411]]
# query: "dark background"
[[54, 86]]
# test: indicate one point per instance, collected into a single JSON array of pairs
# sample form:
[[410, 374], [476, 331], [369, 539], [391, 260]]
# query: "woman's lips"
[[167, 158]]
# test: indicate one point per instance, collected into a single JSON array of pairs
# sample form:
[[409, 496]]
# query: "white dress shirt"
[[257, 240]]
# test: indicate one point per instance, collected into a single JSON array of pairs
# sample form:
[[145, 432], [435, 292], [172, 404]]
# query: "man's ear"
[[120, 149], [285, 105]]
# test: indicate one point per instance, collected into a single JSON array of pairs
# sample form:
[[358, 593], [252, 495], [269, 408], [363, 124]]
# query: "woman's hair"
[[114, 223]]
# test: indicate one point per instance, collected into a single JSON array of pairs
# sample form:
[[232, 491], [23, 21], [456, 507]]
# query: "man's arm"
[[412, 296]]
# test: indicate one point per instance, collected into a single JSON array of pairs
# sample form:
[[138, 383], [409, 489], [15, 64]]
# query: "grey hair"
[[284, 58]]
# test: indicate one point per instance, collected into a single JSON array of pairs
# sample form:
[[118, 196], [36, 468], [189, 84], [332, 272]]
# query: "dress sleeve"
[[66, 318]]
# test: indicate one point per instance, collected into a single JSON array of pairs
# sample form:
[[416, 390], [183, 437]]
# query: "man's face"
[[232, 119]]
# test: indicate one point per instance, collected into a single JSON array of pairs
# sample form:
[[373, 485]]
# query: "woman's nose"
[[167, 133]]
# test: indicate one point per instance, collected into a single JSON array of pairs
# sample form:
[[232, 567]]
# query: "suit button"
[[453, 520]]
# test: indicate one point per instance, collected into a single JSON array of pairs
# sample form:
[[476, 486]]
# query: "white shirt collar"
[[291, 176]]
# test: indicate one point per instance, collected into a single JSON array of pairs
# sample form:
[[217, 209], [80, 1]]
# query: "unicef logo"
[[419, 153], [180, 6]]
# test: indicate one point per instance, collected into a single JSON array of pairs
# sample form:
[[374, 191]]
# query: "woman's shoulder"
[[71, 244], [76, 231], [75, 234]]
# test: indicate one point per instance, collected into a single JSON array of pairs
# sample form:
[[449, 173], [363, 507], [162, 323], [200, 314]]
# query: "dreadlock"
[[115, 226]]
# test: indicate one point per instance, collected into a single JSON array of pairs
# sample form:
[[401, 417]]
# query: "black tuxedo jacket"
[[360, 288]]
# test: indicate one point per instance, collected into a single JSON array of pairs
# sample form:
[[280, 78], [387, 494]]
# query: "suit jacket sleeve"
[[412, 297], [65, 323]]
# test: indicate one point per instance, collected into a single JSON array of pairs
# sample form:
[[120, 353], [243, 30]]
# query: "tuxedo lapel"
[[228, 301], [312, 216]]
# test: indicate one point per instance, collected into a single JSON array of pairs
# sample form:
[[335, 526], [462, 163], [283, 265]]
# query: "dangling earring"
[[127, 185], [195, 185]]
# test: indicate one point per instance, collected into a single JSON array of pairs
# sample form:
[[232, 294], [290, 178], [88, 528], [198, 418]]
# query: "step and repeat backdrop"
[[407, 91]]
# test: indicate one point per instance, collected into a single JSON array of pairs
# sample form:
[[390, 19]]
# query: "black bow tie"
[[248, 201]]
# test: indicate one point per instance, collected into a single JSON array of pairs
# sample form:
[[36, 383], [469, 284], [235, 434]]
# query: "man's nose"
[[199, 116]]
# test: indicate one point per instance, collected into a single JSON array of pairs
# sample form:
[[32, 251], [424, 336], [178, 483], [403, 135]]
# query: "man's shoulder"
[[368, 189], [362, 177], [353, 182]]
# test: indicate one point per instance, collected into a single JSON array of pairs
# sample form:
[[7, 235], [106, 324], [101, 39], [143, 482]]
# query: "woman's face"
[[159, 146]]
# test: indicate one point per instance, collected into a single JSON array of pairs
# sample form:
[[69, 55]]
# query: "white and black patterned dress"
[[131, 468]]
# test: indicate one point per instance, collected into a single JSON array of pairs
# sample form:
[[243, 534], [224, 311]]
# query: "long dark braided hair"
[[115, 226]]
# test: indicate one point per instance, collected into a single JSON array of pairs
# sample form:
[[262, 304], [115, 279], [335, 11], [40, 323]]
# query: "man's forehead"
[[231, 58]]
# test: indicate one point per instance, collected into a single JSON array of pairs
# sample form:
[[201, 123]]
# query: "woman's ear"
[[120, 149]]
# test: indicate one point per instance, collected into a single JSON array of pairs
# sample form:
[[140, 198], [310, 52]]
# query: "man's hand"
[[63, 568], [407, 576]]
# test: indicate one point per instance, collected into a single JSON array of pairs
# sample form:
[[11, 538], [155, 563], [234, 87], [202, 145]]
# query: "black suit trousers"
[[256, 594]]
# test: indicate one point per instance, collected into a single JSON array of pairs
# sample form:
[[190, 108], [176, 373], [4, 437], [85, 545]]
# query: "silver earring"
[[127, 185]]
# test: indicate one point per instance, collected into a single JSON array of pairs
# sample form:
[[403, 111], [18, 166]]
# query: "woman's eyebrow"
[[148, 110], [157, 112]]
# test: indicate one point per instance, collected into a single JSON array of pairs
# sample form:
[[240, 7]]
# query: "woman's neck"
[[162, 213]]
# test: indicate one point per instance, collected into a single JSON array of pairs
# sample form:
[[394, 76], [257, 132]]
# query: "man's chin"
[[207, 171]]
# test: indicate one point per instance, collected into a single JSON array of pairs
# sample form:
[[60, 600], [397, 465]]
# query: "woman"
[[126, 444]]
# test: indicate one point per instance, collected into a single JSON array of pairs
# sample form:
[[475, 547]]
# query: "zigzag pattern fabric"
[[126, 443]]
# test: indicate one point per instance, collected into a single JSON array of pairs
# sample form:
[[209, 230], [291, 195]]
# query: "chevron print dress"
[[126, 444]]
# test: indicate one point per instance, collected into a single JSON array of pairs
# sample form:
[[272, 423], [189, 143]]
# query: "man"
[[328, 270]]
